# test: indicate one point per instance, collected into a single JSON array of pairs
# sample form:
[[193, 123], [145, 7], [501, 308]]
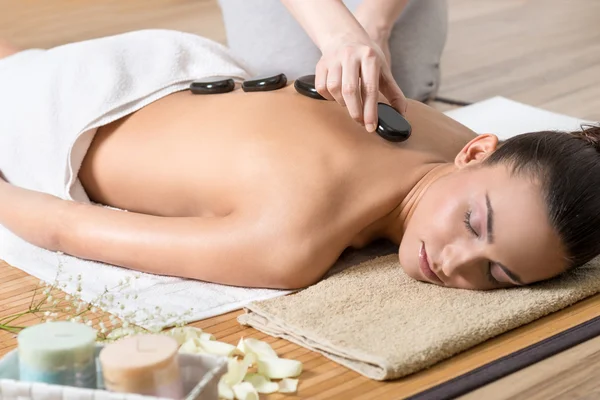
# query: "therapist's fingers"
[[351, 89], [321, 80], [392, 91], [334, 82], [370, 70]]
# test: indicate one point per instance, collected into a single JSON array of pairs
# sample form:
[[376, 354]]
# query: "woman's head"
[[515, 213]]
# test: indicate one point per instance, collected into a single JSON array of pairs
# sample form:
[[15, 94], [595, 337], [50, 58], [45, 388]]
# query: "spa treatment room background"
[[544, 53]]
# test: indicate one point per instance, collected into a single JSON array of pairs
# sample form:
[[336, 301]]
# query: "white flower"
[[89, 323], [94, 310], [49, 299], [125, 324], [67, 297], [47, 314]]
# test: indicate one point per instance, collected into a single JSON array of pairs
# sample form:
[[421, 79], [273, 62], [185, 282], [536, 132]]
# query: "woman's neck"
[[393, 224]]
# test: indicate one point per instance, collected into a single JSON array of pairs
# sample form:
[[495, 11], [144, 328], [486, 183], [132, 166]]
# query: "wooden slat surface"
[[542, 52], [324, 379]]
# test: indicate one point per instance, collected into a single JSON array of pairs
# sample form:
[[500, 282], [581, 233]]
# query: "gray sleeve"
[[266, 36]]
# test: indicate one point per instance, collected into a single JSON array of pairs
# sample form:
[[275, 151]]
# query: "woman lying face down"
[[267, 190]]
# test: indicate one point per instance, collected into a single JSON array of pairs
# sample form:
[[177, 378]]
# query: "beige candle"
[[142, 364]]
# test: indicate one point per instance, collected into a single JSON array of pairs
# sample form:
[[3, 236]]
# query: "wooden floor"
[[542, 52]]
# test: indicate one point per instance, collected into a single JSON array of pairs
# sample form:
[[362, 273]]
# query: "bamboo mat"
[[322, 378]]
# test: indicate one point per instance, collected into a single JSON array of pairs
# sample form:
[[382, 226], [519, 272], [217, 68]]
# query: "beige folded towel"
[[374, 319]]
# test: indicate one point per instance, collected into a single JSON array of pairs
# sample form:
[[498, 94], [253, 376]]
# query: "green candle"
[[61, 353]]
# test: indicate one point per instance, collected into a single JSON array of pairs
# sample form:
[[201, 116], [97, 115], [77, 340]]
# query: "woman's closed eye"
[[473, 232]]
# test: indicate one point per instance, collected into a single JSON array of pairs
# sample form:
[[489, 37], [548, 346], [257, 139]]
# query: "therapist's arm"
[[353, 68], [378, 16], [325, 20]]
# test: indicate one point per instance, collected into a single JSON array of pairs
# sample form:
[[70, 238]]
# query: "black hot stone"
[[306, 85], [391, 125], [264, 83], [212, 86]]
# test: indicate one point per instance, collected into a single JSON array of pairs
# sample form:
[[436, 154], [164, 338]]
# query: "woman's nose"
[[458, 260]]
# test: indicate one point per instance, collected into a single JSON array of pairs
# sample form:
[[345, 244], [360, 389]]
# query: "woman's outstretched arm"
[[228, 250]]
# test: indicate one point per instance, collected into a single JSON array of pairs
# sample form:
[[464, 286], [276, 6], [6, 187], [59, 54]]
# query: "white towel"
[[51, 103], [55, 99]]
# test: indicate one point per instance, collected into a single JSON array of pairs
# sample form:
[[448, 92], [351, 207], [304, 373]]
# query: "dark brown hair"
[[567, 166]]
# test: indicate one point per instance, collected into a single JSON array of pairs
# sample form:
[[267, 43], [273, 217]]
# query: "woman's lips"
[[425, 268]]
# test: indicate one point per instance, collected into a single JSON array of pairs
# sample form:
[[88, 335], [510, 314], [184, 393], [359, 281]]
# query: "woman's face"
[[481, 228]]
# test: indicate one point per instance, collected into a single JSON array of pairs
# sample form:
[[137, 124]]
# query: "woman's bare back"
[[187, 155], [296, 177]]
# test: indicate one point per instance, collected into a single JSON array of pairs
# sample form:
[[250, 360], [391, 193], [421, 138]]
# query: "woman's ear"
[[477, 150]]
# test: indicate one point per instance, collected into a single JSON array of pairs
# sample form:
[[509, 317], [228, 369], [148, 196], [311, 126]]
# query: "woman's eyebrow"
[[490, 219], [490, 239]]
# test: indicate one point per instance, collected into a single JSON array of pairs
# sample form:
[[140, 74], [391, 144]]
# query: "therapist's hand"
[[352, 71]]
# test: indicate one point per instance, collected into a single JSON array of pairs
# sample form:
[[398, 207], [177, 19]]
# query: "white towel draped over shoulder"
[[52, 101]]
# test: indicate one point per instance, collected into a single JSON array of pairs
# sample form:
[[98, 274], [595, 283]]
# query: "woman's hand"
[[352, 71], [384, 45]]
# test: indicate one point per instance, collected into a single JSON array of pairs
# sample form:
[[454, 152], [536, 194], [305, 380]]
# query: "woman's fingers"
[[321, 80], [392, 92], [353, 75], [370, 91], [334, 83], [351, 88]]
